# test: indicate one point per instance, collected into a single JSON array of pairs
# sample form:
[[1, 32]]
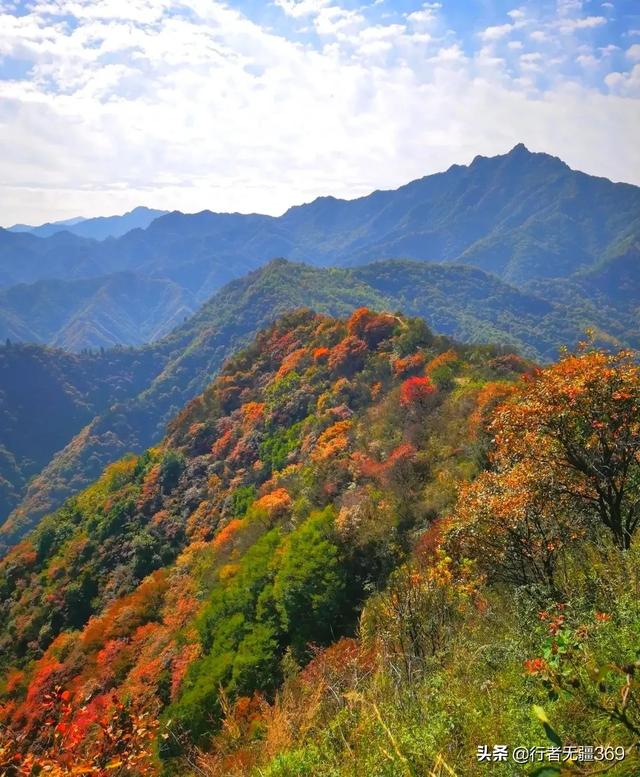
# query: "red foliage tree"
[[416, 390]]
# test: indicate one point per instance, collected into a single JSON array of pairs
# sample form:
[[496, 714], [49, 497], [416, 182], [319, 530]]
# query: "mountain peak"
[[519, 149]]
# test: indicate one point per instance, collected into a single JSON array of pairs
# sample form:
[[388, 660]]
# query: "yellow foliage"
[[332, 441]]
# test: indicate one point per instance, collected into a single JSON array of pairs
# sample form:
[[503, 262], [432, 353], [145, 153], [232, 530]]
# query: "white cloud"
[[333, 20], [142, 11], [625, 84], [497, 32], [189, 104], [531, 61], [449, 54], [568, 7], [587, 60], [427, 14], [633, 53], [581, 23], [298, 8]]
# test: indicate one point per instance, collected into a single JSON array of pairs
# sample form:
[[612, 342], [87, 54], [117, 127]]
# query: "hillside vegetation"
[[461, 302], [364, 549], [76, 387]]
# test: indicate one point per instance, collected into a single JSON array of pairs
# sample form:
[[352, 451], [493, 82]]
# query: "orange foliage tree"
[[371, 327], [409, 364], [348, 355], [291, 361], [509, 523], [565, 462], [578, 421], [489, 397], [332, 442], [321, 354], [224, 538], [274, 504]]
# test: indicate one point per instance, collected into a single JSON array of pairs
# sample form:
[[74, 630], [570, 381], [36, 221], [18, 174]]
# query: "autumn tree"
[[371, 327], [580, 420], [348, 356], [105, 737], [416, 391], [415, 619], [515, 530]]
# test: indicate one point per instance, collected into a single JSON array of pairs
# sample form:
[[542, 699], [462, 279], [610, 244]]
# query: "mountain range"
[[547, 253], [265, 516], [93, 312], [524, 217]]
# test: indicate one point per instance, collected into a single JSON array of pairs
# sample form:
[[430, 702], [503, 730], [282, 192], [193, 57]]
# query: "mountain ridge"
[[473, 214], [464, 303], [524, 217], [544, 251], [118, 309], [95, 228]]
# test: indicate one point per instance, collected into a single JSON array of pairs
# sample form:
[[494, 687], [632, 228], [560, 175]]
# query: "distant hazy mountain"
[[25, 258], [95, 312], [98, 228], [48, 229], [522, 216], [460, 301]]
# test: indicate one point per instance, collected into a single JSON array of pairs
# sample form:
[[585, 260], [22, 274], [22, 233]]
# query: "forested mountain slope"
[[364, 549], [48, 396], [120, 309], [461, 302], [281, 433]]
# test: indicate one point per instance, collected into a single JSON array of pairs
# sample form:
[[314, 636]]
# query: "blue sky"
[[255, 106]]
